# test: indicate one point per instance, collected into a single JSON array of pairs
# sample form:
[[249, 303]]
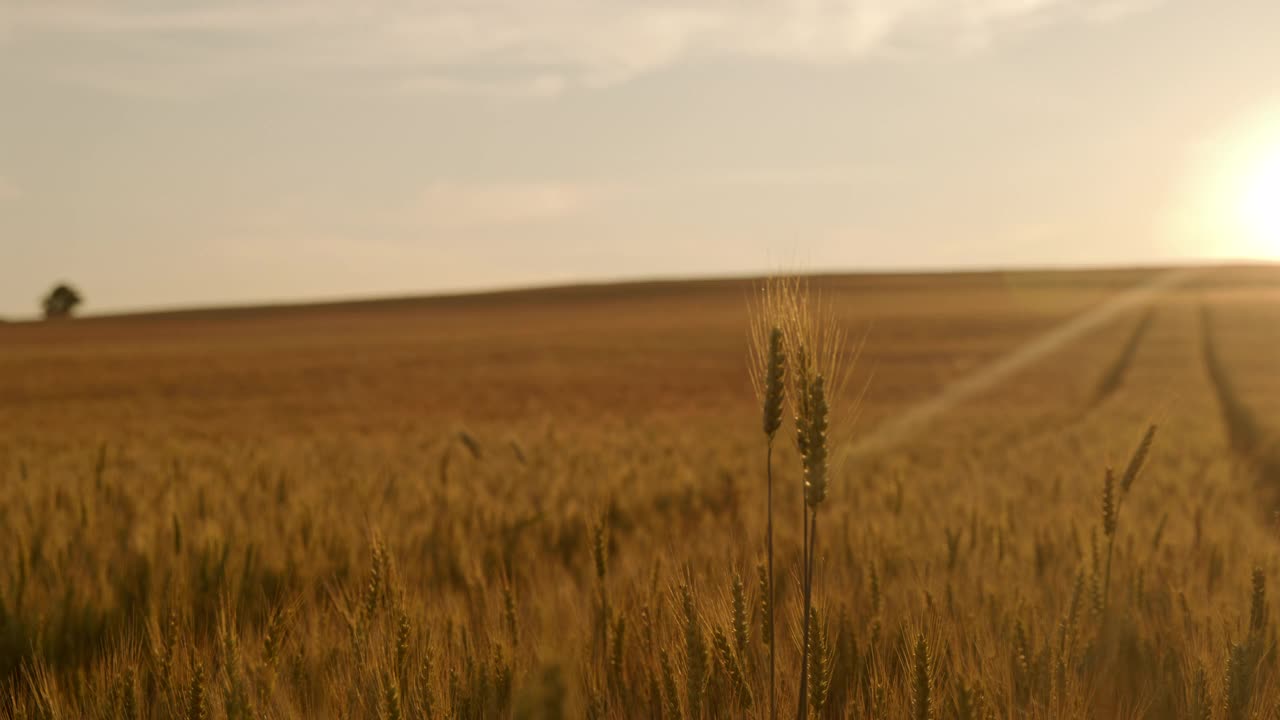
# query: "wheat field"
[[555, 503]]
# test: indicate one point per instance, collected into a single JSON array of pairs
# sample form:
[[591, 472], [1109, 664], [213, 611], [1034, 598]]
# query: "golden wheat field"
[[554, 504]]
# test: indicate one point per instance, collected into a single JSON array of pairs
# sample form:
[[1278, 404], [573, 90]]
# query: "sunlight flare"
[[1258, 210], [1232, 207]]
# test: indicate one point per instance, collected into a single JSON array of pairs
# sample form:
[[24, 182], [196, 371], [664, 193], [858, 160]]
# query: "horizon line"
[[298, 303]]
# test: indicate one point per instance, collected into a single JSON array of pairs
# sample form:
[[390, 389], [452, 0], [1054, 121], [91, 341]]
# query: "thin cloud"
[[770, 177], [456, 205], [9, 191], [533, 86], [533, 49]]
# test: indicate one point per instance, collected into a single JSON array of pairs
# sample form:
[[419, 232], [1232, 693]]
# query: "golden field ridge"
[[553, 504]]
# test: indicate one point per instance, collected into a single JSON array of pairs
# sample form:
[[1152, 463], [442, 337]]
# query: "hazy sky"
[[173, 153]]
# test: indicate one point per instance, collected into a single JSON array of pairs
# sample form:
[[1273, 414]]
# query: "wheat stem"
[[773, 704]]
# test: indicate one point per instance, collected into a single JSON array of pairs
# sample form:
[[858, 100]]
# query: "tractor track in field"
[[1250, 440], [916, 418], [1113, 379]]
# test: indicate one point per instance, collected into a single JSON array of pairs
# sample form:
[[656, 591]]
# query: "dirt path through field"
[[915, 418]]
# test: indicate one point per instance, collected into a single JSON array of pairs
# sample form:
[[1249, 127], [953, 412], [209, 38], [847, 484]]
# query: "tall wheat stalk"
[[815, 345], [768, 372], [1111, 500]]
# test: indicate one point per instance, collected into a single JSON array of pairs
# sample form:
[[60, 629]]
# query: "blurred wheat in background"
[[561, 505]]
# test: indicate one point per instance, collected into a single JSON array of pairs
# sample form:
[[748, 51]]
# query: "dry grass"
[[553, 505]]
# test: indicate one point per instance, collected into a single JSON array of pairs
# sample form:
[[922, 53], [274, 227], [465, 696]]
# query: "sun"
[[1258, 211], [1229, 206]]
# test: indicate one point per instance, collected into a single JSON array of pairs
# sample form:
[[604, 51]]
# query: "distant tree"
[[61, 302]]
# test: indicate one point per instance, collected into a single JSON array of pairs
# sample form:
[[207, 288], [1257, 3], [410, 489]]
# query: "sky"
[[179, 153]]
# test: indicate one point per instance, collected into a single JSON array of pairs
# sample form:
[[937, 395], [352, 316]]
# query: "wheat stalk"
[[768, 373]]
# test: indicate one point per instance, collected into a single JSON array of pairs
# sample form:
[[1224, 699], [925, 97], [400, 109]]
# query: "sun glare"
[[1259, 202], [1233, 208]]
